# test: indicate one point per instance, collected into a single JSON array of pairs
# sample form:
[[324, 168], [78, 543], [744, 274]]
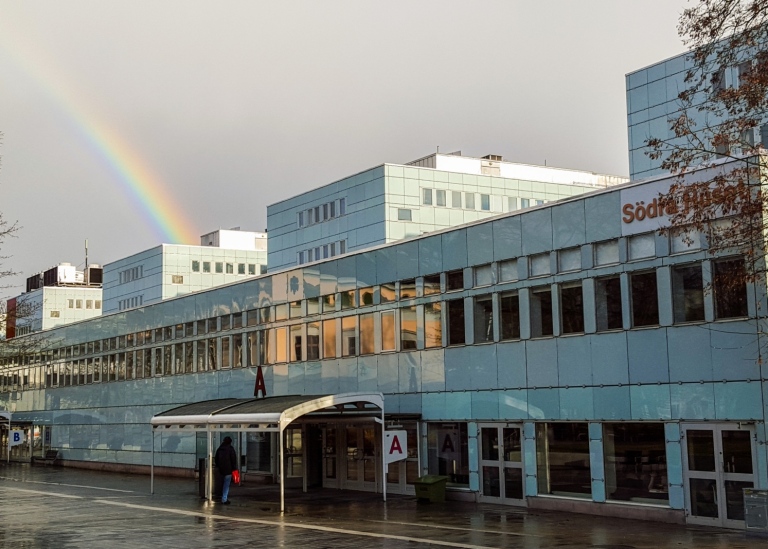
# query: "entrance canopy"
[[272, 414]]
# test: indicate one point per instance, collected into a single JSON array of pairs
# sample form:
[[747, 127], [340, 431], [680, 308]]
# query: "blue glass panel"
[[480, 244], [569, 224], [408, 260], [511, 364], [544, 404], [647, 356], [609, 358], [454, 249], [576, 403], [507, 242], [537, 231], [650, 402], [485, 405], [689, 354], [542, 363], [430, 255], [574, 361], [388, 373], [738, 400], [330, 377], [457, 371], [693, 401], [598, 225], [409, 372], [513, 404]]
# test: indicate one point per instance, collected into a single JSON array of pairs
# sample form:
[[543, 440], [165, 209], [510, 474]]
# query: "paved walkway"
[[52, 507]]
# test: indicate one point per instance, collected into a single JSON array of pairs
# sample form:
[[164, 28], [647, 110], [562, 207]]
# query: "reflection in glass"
[[703, 496], [513, 483], [295, 344], [329, 303], [701, 450], [433, 325], [366, 296], [367, 336], [635, 462], [483, 318], [408, 328], [407, 288], [387, 292], [734, 499], [509, 316], [491, 485], [737, 452], [348, 338], [432, 284], [329, 338], [513, 449], [388, 331], [281, 345], [562, 451], [448, 451], [313, 341], [490, 443], [348, 300]]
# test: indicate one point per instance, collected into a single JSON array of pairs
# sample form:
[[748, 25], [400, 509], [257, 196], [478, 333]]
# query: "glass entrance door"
[[719, 464], [402, 474], [501, 464], [360, 464]]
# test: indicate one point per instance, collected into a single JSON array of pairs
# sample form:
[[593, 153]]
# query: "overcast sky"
[[236, 105]]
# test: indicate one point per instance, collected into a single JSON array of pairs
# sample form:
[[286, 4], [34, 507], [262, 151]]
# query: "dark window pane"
[[730, 289], [645, 303], [510, 316], [454, 280], [455, 322], [572, 309], [541, 312], [687, 293], [608, 303], [483, 319]]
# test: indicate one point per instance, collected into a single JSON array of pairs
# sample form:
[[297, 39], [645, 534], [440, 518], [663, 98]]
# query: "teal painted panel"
[[485, 405], [458, 406], [542, 362], [454, 250], [598, 491], [650, 402], [569, 225], [674, 462], [576, 403], [513, 404], [432, 405], [510, 358], [388, 373], [430, 255], [480, 244], [409, 372], [738, 400], [537, 231], [693, 401], [507, 242], [676, 497], [685, 365], [574, 361], [432, 370], [611, 403], [647, 356], [544, 404]]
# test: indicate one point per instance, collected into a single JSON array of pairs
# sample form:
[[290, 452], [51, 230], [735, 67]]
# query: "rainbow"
[[144, 189]]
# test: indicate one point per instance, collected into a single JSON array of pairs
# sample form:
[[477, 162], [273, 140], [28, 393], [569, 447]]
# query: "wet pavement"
[[53, 507]]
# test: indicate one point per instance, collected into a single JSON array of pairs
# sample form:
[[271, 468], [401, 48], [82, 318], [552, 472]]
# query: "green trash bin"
[[431, 488]]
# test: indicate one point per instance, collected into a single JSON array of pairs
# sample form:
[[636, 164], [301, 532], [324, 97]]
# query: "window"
[[206, 266], [313, 341], [281, 312], [294, 310], [281, 345], [569, 260], [329, 303], [683, 240], [448, 452], [404, 214], [366, 296], [524, 203], [195, 266], [55, 314], [219, 267], [342, 206], [509, 316], [562, 459], [89, 304], [540, 265], [433, 325], [687, 293], [387, 292], [408, 288], [177, 279], [571, 308], [325, 251], [454, 280], [645, 303], [342, 247], [608, 303], [440, 197], [329, 338], [348, 300], [230, 269], [408, 328], [729, 289], [718, 80], [483, 275], [348, 337], [241, 268], [78, 304], [456, 199], [483, 318], [333, 208], [432, 284], [367, 334], [310, 216], [606, 253], [313, 305], [300, 219], [97, 303], [426, 197], [295, 342], [251, 268], [642, 246], [388, 331], [508, 270], [325, 212], [455, 321], [485, 202], [469, 201], [541, 312], [636, 462], [511, 203]]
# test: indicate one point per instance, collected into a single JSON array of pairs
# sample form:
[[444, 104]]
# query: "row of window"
[[323, 212], [78, 304], [429, 325], [221, 267], [465, 200], [322, 252], [130, 303], [129, 275]]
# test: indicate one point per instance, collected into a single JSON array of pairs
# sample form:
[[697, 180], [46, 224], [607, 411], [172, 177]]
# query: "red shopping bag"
[[236, 476]]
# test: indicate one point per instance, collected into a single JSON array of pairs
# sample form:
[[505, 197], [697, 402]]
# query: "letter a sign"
[[395, 445]]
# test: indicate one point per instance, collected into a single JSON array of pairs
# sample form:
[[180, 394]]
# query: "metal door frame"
[[719, 475], [500, 463]]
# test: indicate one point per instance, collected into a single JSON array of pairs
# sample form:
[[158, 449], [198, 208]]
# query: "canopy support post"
[[281, 466], [383, 457], [152, 466], [209, 466]]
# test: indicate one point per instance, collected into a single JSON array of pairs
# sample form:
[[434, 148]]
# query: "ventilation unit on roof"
[[495, 157]]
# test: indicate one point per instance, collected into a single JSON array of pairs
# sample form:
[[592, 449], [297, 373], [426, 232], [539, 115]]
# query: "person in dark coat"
[[226, 462]]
